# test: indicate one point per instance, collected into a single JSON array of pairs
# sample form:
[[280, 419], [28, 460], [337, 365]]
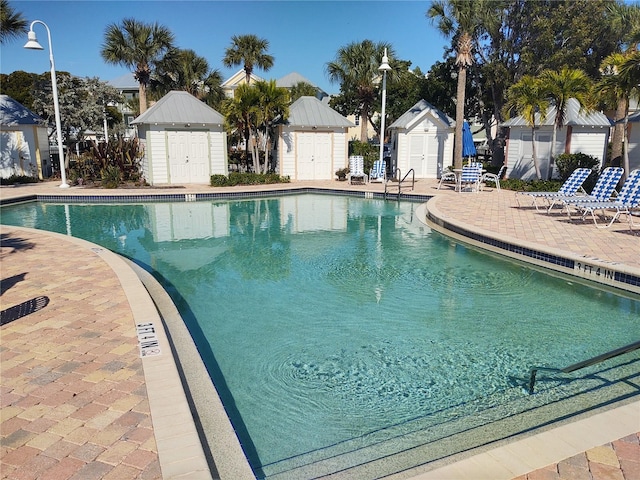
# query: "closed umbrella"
[[468, 147]]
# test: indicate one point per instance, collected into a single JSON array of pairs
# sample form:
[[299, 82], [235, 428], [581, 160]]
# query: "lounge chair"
[[448, 176], [602, 191], [356, 170], [494, 177], [470, 177], [627, 199], [569, 188], [379, 171]]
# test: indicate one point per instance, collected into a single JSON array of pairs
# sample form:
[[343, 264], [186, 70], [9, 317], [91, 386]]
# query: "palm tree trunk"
[[536, 162], [364, 124], [552, 152], [142, 93], [460, 96], [618, 131], [625, 164]]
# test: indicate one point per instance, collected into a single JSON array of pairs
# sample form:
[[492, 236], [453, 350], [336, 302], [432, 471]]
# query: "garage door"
[[188, 157]]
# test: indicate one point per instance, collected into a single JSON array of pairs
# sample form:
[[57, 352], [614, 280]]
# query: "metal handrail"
[[585, 363], [397, 175]]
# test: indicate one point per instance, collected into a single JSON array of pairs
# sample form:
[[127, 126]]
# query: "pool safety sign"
[[147, 340]]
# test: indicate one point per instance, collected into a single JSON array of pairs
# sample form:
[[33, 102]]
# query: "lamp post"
[[384, 68], [33, 44]]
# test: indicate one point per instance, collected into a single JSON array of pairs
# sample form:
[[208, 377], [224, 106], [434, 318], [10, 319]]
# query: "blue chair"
[[379, 171], [602, 191], [470, 177], [568, 189], [627, 200]]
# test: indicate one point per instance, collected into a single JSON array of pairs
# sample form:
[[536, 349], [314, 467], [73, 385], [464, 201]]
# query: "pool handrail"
[[585, 363]]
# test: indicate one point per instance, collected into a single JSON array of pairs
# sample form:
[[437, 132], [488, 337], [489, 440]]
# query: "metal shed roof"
[[124, 82], [311, 112], [407, 118], [178, 107], [574, 117], [13, 113]]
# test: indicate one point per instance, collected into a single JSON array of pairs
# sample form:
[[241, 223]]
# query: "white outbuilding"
[[633, 130], [24, 143], [582, 132], [183, 139], [422, 140], [312, 143]]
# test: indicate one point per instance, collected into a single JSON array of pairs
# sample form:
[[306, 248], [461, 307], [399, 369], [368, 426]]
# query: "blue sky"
[[303, 35]]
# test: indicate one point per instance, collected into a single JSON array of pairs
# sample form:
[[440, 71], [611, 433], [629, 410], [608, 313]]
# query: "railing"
[[397, 175], [585, 363]]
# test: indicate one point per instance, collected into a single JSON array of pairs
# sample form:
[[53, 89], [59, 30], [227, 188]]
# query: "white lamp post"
[[384, 68], [34, 45]]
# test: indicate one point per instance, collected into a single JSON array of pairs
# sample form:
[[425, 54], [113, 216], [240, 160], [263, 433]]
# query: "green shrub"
[[568, 162], [246, 178], [530, 186], [111, 176], [14, 179], [370, 153]]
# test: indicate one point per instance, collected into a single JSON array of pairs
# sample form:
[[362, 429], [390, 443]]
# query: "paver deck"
[[75, 399]]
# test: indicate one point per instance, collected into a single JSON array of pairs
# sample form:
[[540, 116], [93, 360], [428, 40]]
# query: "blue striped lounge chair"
[[379, 171], [602, 191], [627, 200], [569, 188], [356, 170], [470, 177]]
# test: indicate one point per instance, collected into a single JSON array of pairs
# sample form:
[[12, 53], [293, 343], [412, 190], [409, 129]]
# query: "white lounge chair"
[[356, 170]]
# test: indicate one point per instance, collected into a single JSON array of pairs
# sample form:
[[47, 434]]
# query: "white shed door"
[[417, 150], [188, 156], [313, 156]]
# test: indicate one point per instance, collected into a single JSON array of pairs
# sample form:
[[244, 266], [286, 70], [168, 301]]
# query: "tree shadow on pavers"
[[7, 283], [23, 309], [15, 243]]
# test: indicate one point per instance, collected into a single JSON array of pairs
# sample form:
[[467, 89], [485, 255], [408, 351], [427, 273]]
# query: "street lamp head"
[[385, 63], [33, 44]]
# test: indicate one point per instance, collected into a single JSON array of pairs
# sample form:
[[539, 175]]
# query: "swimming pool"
[[341, 330]]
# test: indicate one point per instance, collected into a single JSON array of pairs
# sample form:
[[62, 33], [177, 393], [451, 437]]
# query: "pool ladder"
[[387, 190], [585, 363]]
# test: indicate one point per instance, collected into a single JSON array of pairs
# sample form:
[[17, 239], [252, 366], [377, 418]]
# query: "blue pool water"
[[331, 321]]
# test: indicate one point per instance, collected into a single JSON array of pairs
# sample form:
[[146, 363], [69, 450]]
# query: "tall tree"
[[355, 67], [528, 98], [242, 114], [559, 87], [138, 46], [463, 21], [620, 82], [249, 51], [12, 23], [187, 71], [273, 102], [302, 89]]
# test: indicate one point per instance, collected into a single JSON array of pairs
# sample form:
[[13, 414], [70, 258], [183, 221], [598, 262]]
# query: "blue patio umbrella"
[[468, 147]]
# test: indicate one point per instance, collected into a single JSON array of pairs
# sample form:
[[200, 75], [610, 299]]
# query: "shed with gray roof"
[[312, 143], [582, 132], [422, 141], [184, 141], [634, 140], [24, 143]]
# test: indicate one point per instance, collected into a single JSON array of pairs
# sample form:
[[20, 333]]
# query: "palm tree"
[[356, 69], [273, 102], [619, 83], [302, 89], [242, 114], [138, 46], [187, 71], [463, 21], [559, 88], [12, 24], [250, 51], [527, 98]]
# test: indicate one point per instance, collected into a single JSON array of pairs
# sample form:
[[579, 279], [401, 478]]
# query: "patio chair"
[[470, 177], [379, 172], [603, 190], [356, 169], [448, 176], [569, 188], [627, 200], [494, 177]]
